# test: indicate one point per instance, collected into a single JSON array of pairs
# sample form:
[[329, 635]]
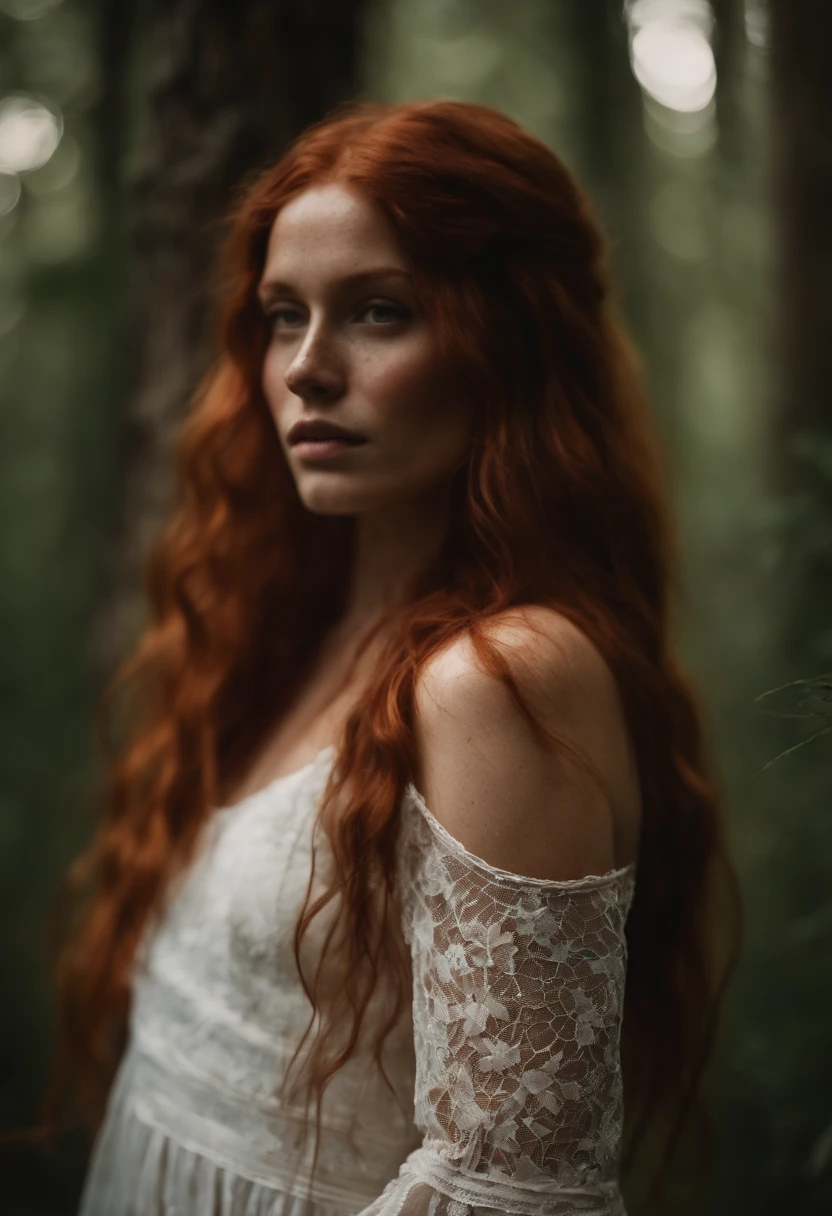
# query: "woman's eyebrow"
[[272, 287]]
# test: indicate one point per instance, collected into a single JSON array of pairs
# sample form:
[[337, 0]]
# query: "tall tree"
[[801, 110], [231, 84], [612, 142], [801, 58], [800, 1174]]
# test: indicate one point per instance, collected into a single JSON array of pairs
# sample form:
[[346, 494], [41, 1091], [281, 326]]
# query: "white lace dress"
[[506, 1084]]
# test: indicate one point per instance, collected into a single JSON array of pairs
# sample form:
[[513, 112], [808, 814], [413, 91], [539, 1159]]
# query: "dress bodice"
[[505, 1085]]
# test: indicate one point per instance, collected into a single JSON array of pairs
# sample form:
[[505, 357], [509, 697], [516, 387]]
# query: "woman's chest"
[[227, 933]]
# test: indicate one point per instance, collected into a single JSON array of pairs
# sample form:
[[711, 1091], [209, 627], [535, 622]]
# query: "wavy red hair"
[[561, 503]]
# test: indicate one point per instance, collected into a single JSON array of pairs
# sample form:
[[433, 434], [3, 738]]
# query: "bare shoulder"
[[494, 785]]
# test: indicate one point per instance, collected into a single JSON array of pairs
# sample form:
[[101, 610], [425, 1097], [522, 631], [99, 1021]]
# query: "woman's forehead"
[[331, 229]]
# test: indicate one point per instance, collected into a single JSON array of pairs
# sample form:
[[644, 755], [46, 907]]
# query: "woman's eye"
[[283, 316], [390, 313], [378, 314]]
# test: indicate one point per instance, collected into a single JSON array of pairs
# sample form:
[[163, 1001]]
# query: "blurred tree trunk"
[[230, 85], [801, 58], [800, 43], [612, 139]]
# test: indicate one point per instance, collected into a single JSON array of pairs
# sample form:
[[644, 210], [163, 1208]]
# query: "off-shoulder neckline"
[[587, 881], [590, 881]]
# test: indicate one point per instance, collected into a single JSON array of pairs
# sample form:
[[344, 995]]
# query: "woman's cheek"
[[407, 385]]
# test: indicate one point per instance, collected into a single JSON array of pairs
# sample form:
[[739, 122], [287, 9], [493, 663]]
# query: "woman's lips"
[[317, 449]]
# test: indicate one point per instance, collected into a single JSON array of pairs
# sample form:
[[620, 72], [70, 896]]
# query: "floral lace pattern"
[[514, 1040]]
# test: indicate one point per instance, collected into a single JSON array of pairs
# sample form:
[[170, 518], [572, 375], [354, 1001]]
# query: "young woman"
[[408, 880]]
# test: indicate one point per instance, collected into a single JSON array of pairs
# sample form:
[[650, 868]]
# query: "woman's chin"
[[331, 500]]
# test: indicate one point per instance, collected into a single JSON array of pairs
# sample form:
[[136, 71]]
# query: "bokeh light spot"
[[674, 64], [29, 134]]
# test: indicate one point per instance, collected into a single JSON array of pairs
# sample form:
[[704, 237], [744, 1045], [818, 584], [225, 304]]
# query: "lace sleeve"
[[517, 1002]]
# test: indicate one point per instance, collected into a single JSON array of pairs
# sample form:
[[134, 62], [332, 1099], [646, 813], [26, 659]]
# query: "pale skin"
[[360, 352]]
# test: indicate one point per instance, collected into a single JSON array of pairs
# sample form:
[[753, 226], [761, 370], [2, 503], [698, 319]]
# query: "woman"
[[405, 725]]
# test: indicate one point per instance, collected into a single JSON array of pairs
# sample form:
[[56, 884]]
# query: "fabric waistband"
[[262, 1138]]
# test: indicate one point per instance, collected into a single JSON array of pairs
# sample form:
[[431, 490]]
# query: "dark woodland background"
[[704, 132]]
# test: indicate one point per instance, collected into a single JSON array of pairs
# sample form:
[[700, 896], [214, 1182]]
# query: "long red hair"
[[561, 503]]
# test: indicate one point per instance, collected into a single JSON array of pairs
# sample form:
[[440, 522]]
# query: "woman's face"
[[351, 345]]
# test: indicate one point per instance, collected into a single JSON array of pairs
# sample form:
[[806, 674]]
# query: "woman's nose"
[[316, 370]]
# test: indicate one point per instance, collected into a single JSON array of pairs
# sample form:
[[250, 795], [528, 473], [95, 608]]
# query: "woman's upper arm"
[[493, 784]]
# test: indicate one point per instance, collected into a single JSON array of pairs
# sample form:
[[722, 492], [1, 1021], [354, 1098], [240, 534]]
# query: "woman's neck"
[[391, 546]]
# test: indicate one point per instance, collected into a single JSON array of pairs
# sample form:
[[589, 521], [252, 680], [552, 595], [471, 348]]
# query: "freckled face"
[[351, 344]]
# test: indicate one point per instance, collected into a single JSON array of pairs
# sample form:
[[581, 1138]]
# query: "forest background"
[[704, 133]]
